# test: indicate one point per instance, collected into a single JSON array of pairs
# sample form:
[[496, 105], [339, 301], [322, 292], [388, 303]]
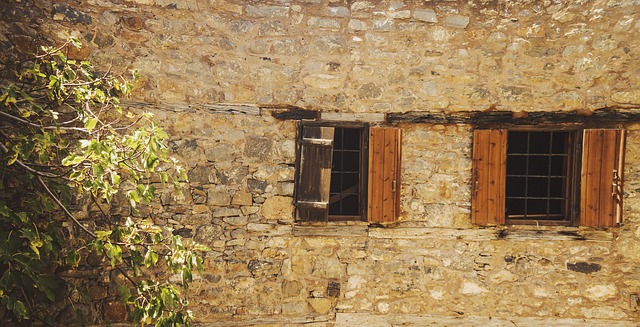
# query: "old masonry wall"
[[222, 77]]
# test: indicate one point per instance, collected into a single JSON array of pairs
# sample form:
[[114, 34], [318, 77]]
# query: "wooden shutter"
[[314, 173], [489, 177], [384, 174], [601, 177]]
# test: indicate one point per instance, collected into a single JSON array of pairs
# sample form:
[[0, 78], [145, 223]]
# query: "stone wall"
[[217, 74]]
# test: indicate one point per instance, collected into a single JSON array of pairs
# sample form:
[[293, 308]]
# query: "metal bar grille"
[[538, 175], [344, 195]]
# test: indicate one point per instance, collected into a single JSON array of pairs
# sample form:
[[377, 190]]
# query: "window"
[[551, 177], [539, 176], [345, 199], [347, 172]]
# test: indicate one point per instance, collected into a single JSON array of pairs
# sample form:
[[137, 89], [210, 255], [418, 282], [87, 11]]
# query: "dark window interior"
[[538, 175], [345, 173]]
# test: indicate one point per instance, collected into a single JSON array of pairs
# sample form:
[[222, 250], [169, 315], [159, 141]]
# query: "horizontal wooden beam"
[[597, 117], [411, 230], [224, 108], [459, 318], [600, 117]]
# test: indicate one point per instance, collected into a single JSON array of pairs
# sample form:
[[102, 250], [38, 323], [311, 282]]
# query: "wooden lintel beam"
[[598, 117]]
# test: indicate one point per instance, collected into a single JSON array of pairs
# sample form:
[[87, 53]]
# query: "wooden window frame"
[[572, 188], [380, 165], [364, 150], [489, 186], [362, 176]]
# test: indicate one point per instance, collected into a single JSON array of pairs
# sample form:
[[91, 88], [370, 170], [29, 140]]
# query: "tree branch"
[[63, 207], [25, 167], [26, 122]]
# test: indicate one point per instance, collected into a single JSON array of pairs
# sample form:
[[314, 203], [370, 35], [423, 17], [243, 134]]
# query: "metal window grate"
[[344, 194], [538, 175]]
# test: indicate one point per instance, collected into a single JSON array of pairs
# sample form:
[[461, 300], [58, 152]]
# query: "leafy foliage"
[[64, 138]]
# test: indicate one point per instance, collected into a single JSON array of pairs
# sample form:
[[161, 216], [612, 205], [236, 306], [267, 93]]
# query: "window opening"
[[346, 179], [538, 175]]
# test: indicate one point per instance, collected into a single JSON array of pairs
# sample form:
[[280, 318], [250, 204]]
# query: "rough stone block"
[[383, 24], [226, 212], [199, 208], [329, 268], [338, 11], [291, 288], [260, 268], [401, 14], [236, 221], [258, 147], [97, 292], [115, 312], [273, 27], [254, 227], [249, 210], [470, 288], [357, 25], [277, 207], [331, 44], [369, 91], [323, 81], [320, 305], [601, 292], [73, 15], [242, 198], [425, 15], [456, 21], [266, 11], [627, 97], [503, 276], [218, 198], [323, 23]]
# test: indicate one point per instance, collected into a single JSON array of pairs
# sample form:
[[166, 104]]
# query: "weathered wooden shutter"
[[314, 173], [384, 174], [601, 177], [489, 176]]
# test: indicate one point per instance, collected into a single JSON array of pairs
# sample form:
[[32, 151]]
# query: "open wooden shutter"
[[314, 173], [384, 174], [489, 176], [601, 177]]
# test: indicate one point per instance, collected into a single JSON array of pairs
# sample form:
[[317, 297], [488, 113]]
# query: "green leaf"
[[85, 143], [20, 310], [164, 177], [90, 123], [34, 245], [114, 253], [125, 293], [47, 284], [186, 276], [102, 234], [72, 258], [150, 258], [4, 210], [133, 195], [12, 158]]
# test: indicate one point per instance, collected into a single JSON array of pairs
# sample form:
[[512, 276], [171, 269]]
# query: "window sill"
[[555, 233], [334, 228], [508, 233], [409, 230]]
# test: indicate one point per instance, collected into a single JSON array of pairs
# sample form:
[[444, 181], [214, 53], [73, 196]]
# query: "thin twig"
[[26, 122], [126, 276], [93, 198], [27, 168], [64, 208], [46, 54]]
